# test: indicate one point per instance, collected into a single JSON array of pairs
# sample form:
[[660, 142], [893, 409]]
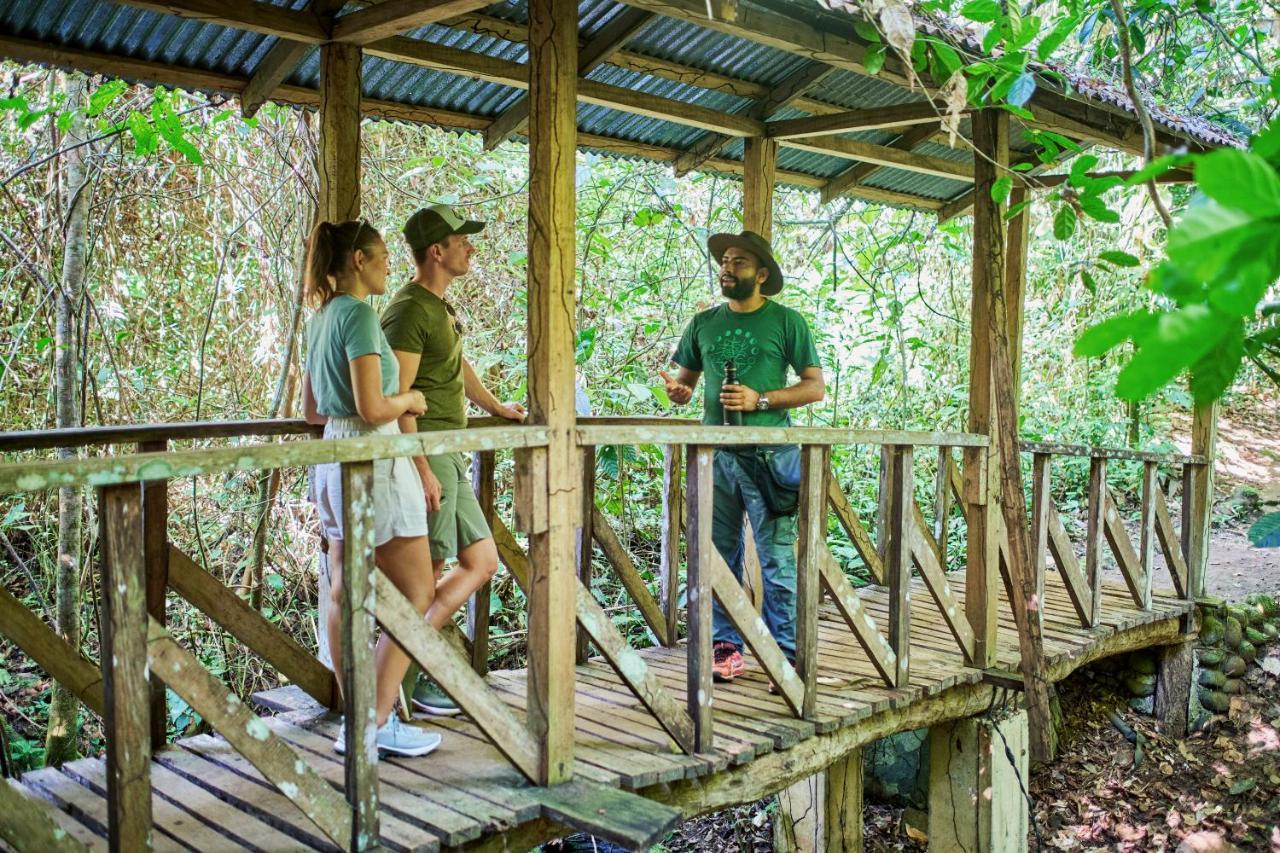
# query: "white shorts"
[[399, 507]]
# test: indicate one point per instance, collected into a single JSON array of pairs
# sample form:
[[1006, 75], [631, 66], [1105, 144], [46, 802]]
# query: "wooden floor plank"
[[40, 806], [88, 806]]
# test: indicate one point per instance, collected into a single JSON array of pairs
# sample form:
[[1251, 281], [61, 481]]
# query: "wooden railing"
[[140, 565]]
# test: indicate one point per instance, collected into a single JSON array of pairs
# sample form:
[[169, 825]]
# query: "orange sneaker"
[[727, 662]]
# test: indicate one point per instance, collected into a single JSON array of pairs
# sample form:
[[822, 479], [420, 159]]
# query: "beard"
[[741, 289]]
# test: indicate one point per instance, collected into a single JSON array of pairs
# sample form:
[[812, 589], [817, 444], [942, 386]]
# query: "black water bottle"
[[731, 418]]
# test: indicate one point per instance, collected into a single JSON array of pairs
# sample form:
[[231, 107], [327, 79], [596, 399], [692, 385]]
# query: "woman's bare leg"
[[406, 561], [476, 564], [334, 614]]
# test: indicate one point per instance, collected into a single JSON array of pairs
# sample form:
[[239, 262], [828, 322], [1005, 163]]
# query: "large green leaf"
[[1179, 339], [1064, 222], [1212, 375], [1114, 331], [1240, 180], [1203, 243], [1061, 31], [1265, 532]]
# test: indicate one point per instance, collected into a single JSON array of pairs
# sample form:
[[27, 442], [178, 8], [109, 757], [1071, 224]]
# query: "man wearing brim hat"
[[762, 338], [426, 337]]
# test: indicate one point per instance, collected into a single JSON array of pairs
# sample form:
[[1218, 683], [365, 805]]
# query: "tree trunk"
[[60, 742]]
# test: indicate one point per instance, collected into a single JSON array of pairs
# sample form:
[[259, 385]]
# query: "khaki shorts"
[[459, 522], [399, 508]]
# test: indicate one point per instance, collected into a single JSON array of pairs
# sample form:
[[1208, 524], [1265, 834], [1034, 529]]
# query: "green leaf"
[[1064, 222], [1095, 208], [1024, 86], [866, 30], [1203, 244], [1120, 259], [873, 60], [982, 11], [1213, 374], [1156, 168], [104, 96], [1110, 333], [1242, 786], [144, 136], [1265, 532], [1080, 169], [1180, 338], [1026, 115], [1017, 208], [15, 103], [1001, 188], [1060, 33], [948, 58], [1240, 180], [64, 121], [1087, 280]]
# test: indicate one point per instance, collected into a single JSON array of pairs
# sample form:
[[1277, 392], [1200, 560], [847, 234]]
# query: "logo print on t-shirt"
[[737, 345]]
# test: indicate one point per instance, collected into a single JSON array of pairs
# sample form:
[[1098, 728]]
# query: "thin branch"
[[1144, 117]]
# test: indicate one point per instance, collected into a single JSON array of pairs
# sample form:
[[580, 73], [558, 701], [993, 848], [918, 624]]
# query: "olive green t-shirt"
[[761, 344], [416, 320]]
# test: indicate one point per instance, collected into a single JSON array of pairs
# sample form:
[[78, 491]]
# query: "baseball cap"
[[432, 224]]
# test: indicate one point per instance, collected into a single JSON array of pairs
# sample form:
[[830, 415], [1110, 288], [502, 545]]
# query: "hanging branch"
[[1144, 117]]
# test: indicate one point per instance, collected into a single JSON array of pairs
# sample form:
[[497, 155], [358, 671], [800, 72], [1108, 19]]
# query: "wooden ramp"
[[207, 797]]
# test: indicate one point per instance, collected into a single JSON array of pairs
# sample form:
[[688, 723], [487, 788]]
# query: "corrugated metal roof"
[[107, 27]]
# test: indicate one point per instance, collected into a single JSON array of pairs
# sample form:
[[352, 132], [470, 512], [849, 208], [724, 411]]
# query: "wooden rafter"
[[281, 61], [248, 15], [846, 181], [899, 115], [780, 96], [614, 34], [392, 17], [856, 149]]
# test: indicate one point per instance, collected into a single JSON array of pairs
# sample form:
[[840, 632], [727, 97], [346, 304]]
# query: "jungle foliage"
[[198, 217]]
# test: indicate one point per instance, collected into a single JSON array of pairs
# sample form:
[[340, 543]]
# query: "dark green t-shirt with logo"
[[416, 320], [761, 344]]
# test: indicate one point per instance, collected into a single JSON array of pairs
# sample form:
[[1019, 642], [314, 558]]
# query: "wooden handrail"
[[1111, 453], [142, 467], [673, 431], [99, 436]]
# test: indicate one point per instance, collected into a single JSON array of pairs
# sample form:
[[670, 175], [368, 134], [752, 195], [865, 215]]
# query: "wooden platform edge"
[[631, 820], [773, 771]]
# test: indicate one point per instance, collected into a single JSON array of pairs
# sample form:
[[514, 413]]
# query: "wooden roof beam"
[[25, 50], [248, 15], [452, 60], [281, 61], [784, 93], [611, 37], [883, 155], [899, 115], [392, 17], [855, 175], [687, 74]]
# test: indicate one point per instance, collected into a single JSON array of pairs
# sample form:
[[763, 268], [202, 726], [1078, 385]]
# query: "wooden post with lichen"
[[553, 79]]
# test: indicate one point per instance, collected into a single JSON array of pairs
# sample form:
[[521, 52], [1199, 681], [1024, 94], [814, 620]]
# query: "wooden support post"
[[155, 544], [882, 504], [1041, 506], [942, 502], [842, 799], [1204, 440], [126, 724], [812, 538], [585, 546], [1147, 548], [669, 555], [1015, 285], [1173, 687], [482, 469], [338, 158], [357, 670], [553, 87], [699, 468], [1094, 537], [982, 465], [760, 164], [976, 796], [897, 561]]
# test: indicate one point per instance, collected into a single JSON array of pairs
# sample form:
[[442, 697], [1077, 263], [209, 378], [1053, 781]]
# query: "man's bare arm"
[[483, 397], [810, 388]]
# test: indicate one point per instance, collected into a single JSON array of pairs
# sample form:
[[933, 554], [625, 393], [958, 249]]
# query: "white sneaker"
[[395, 738]]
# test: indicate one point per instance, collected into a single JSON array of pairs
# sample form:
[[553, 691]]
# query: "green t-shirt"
[[345, 328], [761, 345], [416, 320]]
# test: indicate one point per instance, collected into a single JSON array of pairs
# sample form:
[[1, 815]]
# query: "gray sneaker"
[[427, 696], [395, 738]]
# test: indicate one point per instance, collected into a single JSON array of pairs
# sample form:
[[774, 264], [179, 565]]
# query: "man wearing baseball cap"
[[761, 338], [426, 337]]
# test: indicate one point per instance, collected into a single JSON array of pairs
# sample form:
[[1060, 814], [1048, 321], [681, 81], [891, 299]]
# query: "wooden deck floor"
[[206, 797]]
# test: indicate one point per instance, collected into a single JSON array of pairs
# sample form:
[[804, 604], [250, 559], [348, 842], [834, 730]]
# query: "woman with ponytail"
[[350, 387]]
